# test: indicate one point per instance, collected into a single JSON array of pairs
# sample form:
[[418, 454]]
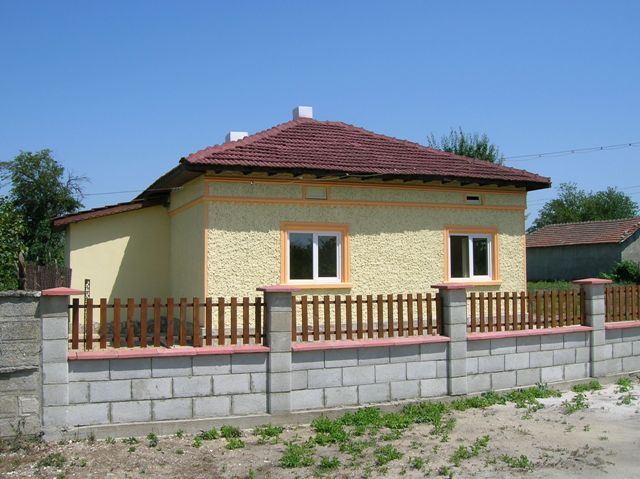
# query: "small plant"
[[228, 432], [577, 403], [463, 453], [355, 448], [110, 440], [417, 463], [267, 431], [130, 441], [235, 443], [587, 387], [586, 428], [521, 462], [328, 431], [626, 399], [624, 385], [91, 438], [55, 459], [328, 464], [179, 452], [391, 435], [445, 471], [209, 435], [152, 439], [197, 442], [297, 455], [179, 433], [131, 449], [386, 454]]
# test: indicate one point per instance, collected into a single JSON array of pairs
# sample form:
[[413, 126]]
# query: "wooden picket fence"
[[522, 310], [167, 323], [327, 318], [622, 303]]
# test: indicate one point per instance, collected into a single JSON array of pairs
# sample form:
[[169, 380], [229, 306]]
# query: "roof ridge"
[[586, 222]]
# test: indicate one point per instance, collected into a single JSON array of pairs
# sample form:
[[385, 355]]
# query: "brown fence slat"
[[326, 309], [439, 319], [430, 314], [490, 316], [245, 320], [420, 313], [498, 312], [472, 311], [400, 316], [234, 320], [196, 323], [390, 326], [116, 322], [157, 309], [349, 315], [545, 303], [561, 306], [221, 326], [338, 318], [514, 308], [88, 327], [258, 314], [75, 322], [143, 322], [507, 321], [103, 323], [208, 321], [131, 309], [305, 318], [529, 297], [182, 329], [380, 311], [316, 318], [370, 316], [483, 320], [169, 322], [360, 330], [409, 314], [523, 311]]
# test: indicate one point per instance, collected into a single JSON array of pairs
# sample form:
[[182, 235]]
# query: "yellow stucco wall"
[[187, 254], [393, 249], [124, 255]]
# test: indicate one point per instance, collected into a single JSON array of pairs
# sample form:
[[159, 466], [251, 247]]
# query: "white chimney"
[[302, 112], [235, 136]]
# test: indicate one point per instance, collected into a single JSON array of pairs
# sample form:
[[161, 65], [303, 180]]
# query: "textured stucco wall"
[[187, 253], [571, 262], [393, 249], [124, 255], [631, 248]]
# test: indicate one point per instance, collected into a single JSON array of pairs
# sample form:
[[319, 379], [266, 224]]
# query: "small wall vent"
[[473, 199]]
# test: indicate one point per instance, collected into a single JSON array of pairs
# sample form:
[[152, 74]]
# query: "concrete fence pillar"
[[278, 338], [594, 303], [454, 321], [54, 314]]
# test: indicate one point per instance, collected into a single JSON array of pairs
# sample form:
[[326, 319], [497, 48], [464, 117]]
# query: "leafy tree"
[[573, 205], [11, 232], [40, 191], [472, 145]]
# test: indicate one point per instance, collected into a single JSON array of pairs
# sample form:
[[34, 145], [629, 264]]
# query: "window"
[[471, 256], [315, 254]]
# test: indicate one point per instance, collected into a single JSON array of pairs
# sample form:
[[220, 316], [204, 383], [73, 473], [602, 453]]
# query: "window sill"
[[319, 285], [492, 282]]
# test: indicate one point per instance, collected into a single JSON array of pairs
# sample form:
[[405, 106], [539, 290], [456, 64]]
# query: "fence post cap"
[[450, 286], [62, 292], [278, 288], [592, 281]]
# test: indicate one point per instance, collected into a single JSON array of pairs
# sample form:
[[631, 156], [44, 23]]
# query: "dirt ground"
[[602, 440]]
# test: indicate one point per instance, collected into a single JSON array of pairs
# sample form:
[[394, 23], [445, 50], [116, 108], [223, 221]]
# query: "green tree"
[[11, 233], [40, 191], [472, 145], [573, 205]]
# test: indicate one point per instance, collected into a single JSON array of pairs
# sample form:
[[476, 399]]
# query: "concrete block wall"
[[111, 391], [359, 376], [20, 345], [621, 351], [510, 362]]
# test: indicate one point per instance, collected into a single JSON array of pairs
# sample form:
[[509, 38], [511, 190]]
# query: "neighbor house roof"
[[307, 145], [589, 232], [137, 204]]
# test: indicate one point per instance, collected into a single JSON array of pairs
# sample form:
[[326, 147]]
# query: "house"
[[581, 250], [322, 205]]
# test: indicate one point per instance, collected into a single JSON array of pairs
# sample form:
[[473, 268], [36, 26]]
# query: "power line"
[[572, 151]]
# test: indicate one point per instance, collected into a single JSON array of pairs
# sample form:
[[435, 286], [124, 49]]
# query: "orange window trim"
[[471, 230], [345, 253]]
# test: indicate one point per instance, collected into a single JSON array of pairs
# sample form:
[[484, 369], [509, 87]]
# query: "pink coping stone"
[[62, 292], [368, 343], [592, 281], [164, 352], [278, 288], [622, 325], [528, 332], [446, 286]]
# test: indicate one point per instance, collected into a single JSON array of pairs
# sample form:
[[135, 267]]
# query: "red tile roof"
[[306, 145], [589, 232]]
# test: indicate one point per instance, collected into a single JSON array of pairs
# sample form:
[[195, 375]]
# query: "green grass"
[[328, 464], [209, 435], [297, 455], [587, 387], [197, 442], [624, 385], [55, 459], [235, 443], [267, 431], [228, 432], [534, 285], [521, 462], [386, 454], [577, 403], [463, 453]]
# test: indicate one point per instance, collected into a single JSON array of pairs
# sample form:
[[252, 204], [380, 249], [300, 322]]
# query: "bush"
[[624, 272]]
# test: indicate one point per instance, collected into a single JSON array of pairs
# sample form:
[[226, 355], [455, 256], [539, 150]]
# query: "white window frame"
[[316, 277], [471, 237]]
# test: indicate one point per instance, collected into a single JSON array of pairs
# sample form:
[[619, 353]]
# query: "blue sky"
[[121, 90]]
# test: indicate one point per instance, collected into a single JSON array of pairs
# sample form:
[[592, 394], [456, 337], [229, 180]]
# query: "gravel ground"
[[501, 441]]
